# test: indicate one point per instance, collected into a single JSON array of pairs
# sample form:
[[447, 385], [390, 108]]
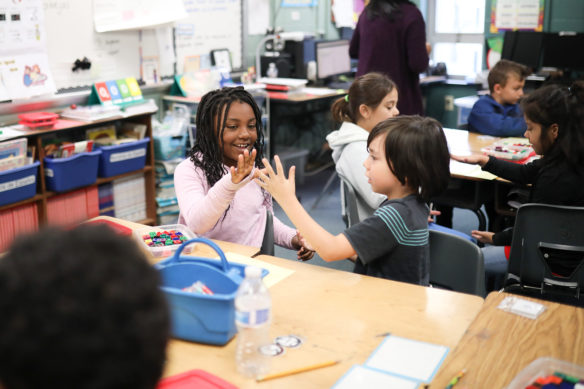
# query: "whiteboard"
[[211, 24], [71, 35]]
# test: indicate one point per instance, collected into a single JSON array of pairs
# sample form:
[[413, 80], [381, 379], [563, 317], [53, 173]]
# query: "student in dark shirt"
[[555, 129], [408, 162], [390, 38]]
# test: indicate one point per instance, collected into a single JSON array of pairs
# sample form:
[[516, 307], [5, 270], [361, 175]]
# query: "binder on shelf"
[[125, 91]]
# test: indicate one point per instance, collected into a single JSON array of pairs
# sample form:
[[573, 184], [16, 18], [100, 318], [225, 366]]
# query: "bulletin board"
[[71, 36]]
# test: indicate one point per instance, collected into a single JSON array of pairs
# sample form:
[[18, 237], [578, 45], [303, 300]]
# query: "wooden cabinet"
[[70, 129]]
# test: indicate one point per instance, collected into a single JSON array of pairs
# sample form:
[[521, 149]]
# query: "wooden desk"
[[340, 315], [498, 344], [462, 142], [200, 250]]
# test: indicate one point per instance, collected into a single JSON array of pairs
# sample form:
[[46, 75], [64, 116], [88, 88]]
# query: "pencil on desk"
[[296, 371]]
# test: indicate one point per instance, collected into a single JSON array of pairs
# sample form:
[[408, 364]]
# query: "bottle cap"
[[253, 272]]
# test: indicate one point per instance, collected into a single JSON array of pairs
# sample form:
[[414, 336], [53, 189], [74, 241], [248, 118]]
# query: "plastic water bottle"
[[253, 307]]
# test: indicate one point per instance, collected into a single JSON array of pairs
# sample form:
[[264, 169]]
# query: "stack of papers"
[[398, 363]]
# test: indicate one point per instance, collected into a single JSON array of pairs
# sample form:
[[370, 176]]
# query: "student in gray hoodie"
[[372, 98]]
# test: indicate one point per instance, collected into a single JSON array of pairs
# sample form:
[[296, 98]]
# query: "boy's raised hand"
[[474, 159], [245, 164], [275, 182]]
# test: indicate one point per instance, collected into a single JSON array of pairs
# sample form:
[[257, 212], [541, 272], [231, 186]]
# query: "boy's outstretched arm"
[[327, 245]]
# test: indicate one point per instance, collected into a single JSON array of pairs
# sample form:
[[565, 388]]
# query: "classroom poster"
[[516, 15], [24, 68]]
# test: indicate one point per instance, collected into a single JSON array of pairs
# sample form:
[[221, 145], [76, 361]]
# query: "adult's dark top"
[[396, 48]]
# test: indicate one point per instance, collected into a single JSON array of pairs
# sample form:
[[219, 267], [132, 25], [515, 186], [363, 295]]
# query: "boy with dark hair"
[[498, 113], [80, 309]]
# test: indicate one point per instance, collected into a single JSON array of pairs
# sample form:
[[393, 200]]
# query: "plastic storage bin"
[[293, 157], [164, 251], [124, 158], [169, 147], [18, 184], [543, 367], [64, 174], [196, 317]]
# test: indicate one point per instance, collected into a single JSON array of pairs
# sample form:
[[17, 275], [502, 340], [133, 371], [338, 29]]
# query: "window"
[[456, 32]]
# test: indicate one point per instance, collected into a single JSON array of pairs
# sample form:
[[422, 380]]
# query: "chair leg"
[[324, 189], [482, 220]]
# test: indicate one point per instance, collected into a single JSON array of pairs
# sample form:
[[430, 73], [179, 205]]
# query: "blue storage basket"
[[123, 158], [169, 147], [18, 184], [64, 174], [200, 317]]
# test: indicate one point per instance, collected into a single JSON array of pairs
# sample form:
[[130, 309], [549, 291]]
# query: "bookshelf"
[[40, 203]]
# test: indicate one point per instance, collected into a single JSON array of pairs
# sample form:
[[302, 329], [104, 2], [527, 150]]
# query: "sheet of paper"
[[408, 358], [276, 274], [465, 169], [317, 91], [365, 377]]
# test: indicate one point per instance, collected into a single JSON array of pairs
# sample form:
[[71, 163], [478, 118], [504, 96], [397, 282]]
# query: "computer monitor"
[[332, 59], [564, 51], [524, 47]]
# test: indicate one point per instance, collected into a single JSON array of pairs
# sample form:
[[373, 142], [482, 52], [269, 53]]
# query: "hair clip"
[[347, 98]]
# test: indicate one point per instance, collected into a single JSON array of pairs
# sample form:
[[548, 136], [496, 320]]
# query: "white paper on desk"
[[12, 132], [317, 91], [469, 170], [275, 275], [366, 377], [408, 358]]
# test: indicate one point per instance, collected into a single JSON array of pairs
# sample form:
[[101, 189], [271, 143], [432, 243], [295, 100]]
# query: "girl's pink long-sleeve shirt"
[[202, 208]]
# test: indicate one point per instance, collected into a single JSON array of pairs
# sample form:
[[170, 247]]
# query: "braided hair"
[[207, 153]]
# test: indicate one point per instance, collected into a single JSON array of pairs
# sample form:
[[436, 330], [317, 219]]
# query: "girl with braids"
[[555, 129], [217, 196]]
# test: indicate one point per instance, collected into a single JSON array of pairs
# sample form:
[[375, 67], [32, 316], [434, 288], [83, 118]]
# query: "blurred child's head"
[[555, 121], [80, 309], [506, 80], [371, 99], [415, 152], [228, 122]]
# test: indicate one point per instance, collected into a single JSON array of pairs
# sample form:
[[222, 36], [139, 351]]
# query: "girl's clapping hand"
[[245, 164], [304, 250]]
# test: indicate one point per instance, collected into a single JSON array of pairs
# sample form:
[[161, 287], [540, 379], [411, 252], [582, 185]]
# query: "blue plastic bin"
[[169, 147], [200, 317], [64, 174], [18, 184], [124, 158]]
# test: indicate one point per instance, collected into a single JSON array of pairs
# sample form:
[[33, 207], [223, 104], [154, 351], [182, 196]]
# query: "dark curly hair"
[[80, 309], [416, 152], [207, 153]]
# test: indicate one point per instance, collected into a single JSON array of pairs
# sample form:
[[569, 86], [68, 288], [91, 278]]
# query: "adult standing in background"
[[390, 38]]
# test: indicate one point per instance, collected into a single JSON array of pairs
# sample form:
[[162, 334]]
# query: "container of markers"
[[201, 294], [163, 241], [548, 372]]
